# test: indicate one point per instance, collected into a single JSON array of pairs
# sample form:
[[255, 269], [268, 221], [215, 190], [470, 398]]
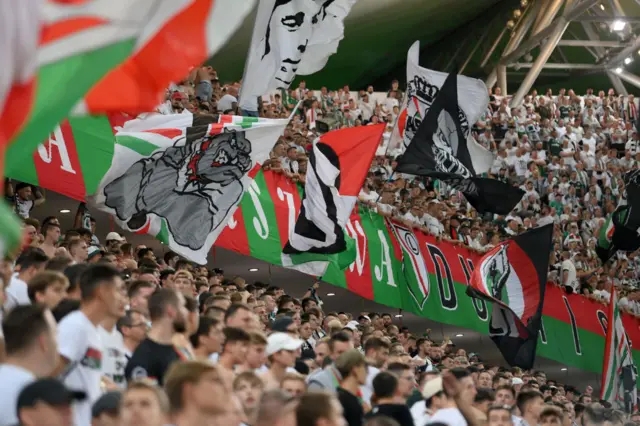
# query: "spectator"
[[29, 263], [281, 352], [31, 349], [156, 353], [391, 398], [197, 394], [353, 369], [144, 404], [319, 408], [248, 388], [80, 347], [48, 288], [47, 401], [133, 326], [207, 340]]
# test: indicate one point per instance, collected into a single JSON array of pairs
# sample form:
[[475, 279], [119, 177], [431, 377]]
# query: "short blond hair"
[[146, 384], [293, 377], [257, 338]]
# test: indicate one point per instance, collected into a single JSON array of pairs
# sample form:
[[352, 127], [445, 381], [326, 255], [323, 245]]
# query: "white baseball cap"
[[352, 325], [114, 236], [432, 387], [277, 342]]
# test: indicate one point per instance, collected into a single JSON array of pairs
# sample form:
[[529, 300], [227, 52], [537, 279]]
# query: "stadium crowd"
[[109, 334]]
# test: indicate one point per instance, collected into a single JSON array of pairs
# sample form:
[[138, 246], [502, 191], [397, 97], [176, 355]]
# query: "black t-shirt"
[[353, 412], [398, 412], [307, 351], [152, 360]]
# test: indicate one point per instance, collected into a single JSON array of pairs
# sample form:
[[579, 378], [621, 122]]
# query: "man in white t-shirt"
[[114, 357], [29, 263], [437, 406], [30, 342], [569, 273], [229, 101], [79, 345]]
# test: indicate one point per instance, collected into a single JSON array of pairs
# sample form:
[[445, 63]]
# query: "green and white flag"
[[619, 373], [415, 270], [180, 177]]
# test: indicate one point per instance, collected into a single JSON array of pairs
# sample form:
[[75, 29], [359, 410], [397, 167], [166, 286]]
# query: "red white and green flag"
[[338, 165], [512, 277], [181, 177], [101, 56], [619, 373]]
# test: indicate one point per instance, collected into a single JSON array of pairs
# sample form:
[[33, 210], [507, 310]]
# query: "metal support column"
[[501, 71], [545, 52], [516, 38], [548, 14], [629, 78], [545, 33]]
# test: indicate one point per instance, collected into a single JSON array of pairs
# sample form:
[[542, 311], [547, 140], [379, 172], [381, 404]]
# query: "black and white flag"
[[291, 37], [435, 128]]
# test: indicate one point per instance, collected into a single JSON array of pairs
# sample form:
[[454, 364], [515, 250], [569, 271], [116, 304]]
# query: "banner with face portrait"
[[291, 37]]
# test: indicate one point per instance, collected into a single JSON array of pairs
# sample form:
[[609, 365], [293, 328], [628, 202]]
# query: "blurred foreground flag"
[[291, 37], [619, 373], [101, 56]]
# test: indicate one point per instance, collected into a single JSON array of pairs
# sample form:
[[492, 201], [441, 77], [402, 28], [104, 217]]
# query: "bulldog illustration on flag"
[[192, 185], [180, 178]]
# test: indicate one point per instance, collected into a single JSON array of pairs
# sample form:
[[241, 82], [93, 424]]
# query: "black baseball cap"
[[107, 403], [50, 391]]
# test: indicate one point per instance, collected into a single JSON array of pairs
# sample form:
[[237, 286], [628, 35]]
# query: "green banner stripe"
[[163, 235], [60, 86], [261, 223], [94, 144], [140, 146]]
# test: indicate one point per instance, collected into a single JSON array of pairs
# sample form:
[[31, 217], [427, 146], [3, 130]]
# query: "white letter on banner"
[[291, 207], [260, 222], [361, 253], [45, 151], [232, 223], [385, 261]]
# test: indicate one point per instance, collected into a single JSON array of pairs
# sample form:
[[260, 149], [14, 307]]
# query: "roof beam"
[[560, 22], [608, 18], [591, 43], [557, 66]]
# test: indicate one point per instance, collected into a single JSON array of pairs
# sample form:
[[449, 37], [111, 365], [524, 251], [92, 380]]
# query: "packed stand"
[[106, 333], [114, 335], [568, 153]]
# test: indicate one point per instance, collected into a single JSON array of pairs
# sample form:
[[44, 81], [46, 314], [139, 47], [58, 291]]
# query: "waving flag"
[[619, 373], [414, 267], [180, 178], [621, 230], [82, 41], [512, 277], [338, 166], [291, 37], [436, 125]]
